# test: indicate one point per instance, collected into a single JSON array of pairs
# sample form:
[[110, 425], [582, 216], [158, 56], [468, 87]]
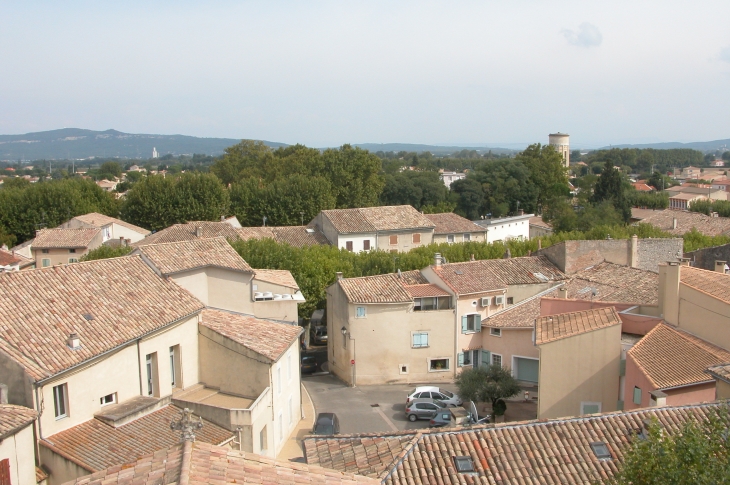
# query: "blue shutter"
[[486, 357], [461, 359], [463, 324], [478, 324]]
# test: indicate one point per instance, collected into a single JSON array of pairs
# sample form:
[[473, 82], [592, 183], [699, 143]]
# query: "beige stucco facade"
[[722, 390], [580, 369], [19, 450], [510, 344], [457, 237]]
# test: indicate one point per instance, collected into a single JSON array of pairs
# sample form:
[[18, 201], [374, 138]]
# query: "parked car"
[[442, 418], [326, 424], [431, 392], [423, 409], [318, 335], [456, 416], [309, 364]]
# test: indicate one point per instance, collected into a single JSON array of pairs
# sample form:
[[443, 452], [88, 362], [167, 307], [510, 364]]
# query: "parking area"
[[376, 409]]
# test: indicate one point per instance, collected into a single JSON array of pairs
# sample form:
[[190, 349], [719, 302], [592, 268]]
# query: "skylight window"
[[600, 449], [541, 277], [458, 272], [88, 316], [464, 464]]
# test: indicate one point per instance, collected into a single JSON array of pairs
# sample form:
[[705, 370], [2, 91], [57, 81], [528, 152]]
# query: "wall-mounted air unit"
[[486, 301], [498, 300]]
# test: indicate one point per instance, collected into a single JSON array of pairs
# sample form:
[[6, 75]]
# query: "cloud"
[[725, 54], [587, 35]]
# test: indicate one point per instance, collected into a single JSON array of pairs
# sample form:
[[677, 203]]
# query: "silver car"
[[423, 409], [431, 392]]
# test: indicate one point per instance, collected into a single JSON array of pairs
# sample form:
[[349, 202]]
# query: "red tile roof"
[[7, 258], [426, 290], [95, 445], [387, 288], [686, 220], [267, 338], [281, 277], [176, 257], [555, 327], [100, 220], [615, 282], [65, 238], [520, 315], [671, 358], [713, 283], [124, 298], [203, 464], [450, 223], [14, 418], [371, 219]]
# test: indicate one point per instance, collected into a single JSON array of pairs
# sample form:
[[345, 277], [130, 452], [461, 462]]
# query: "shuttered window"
[[471, 323], [394, 239], [5, 472]]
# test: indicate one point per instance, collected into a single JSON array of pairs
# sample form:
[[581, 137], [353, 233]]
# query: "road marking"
[[385, 418]]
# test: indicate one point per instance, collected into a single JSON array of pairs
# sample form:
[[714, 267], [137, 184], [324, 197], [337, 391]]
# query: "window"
[[495, 332], [637, 395], [471, 323], [360, 312], [151, 366], [497, 360], [467, 237], [44, 251], [438, 365], [450, 238], [590, 407], [348, 245], [465, 358], [403, 369], [46, 263], [600, 449], [60, 401], [416, 238], [175, 374], [393, 239], [463, 464], [366, 244], [73, 260], [72, 251], [263, 440], [510, 300], [420, 339], [108, 399], [288, 368], [431, 303]]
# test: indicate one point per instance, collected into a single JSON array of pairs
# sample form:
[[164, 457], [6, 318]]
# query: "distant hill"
[[703, 146], [75, 143], [435, 149]]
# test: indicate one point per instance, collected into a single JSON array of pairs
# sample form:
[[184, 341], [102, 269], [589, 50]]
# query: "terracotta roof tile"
[[14, 418], [537, 221], [450, 223], [281, 277], [124, 297], [520, 315], [264, 337], [180, 256], [491, 274], [371, 219], [555, 327], [100, 220], [299, 236], [65, 238], [385, 288], [686, 220], [713, 283], [670, 357], [413, 277], [531, 452], [721, 371], [204, 464], [418, 291], [7, 258], [96, 445], [615, 282]]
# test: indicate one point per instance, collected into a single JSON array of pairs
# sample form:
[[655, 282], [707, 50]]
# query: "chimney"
[[674, 223], [3, 393], [437, 260], [472, 258], [684, 261], [73, 341], [121, 241], [4, 247], [669, 277], [521, 212], [634, 256], [223, 218], [198, 231], [657, 399], [539, 244], [507, 254], [339, 275], [720, 266], [563, 292]]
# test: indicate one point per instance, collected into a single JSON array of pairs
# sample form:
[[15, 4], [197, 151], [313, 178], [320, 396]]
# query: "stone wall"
[[705, 258], [651, 252]]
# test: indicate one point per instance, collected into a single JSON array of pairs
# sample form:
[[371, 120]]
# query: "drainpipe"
[[139, 368]]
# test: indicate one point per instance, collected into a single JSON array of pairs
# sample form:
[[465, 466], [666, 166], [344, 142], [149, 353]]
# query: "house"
[[693, 189], [539, 228], [203, 463], [17, 444], [125, 346], [390, 228], [451, 228], [683, 201], [63, 246], [722, 184], [678, 223], [12, 261], [108, 185], [506, 228], [641, 186], [449, 178], [578, 450], [721, 374], [113, 230]]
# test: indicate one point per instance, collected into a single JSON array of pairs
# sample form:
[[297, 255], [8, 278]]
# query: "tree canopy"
[[492, 383]]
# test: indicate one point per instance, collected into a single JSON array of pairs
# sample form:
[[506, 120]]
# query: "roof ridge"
[[609, 307], [186, 463], [407, 449], [182, 242], [527, 300]]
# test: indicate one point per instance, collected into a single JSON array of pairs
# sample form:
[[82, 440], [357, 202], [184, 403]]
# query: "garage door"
[[527, 369]]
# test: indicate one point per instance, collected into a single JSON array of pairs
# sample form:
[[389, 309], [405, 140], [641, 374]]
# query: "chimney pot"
[[674, 223], [223, 218], [657, 399], [198, 231], [339, 275], [539, 244], [472, 258], [437, 260], [73, 341], [3, 393], [563, 292], [521, 212], [720, 266]]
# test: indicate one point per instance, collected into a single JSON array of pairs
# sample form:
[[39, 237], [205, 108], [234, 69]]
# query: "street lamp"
[[343, 330]]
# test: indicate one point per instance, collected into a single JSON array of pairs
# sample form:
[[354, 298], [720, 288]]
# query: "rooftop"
[[100, 220], [106, 302], [176, 257], [615, 282], [7, 258], [281, 277], [537, 221], [425, 290], [720, 371], [686, 220], [555, 327], [95, 445], [14, 418], [64, 238], [491, 274], [530, 452], [197, 463], [267, 338], [187, 232], [712, 283], [520, 315], [450, 223], [387, 288], [371, 219], [671, 358]]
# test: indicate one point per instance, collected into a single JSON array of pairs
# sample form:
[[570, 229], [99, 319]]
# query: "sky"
[[325, 73]]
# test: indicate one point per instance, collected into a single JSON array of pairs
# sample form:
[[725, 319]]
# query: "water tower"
[[561, 142]]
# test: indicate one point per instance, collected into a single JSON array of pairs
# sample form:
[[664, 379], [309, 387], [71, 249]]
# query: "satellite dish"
[[474, 414]]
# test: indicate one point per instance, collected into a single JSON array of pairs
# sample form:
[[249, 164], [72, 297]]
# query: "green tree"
[[469, 197], [15, 183], [697, 454], [612, 186], [106, 252], [507, 185], [246, 159], [492, 384], [726, 156], [547, 172], [6, 238], [109, 170], [414, 187], [355, 176]]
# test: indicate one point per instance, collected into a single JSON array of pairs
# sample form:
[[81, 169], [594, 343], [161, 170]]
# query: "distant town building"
[[449, 177], [561, 142], [505, 228], [154, 153]]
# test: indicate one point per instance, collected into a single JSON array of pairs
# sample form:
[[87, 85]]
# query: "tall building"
[[561, 142], [157, 155]]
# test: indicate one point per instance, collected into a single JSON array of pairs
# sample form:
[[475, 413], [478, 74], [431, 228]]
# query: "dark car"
[[309, 365], [423, 409], [318, 335], [326, 424]]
